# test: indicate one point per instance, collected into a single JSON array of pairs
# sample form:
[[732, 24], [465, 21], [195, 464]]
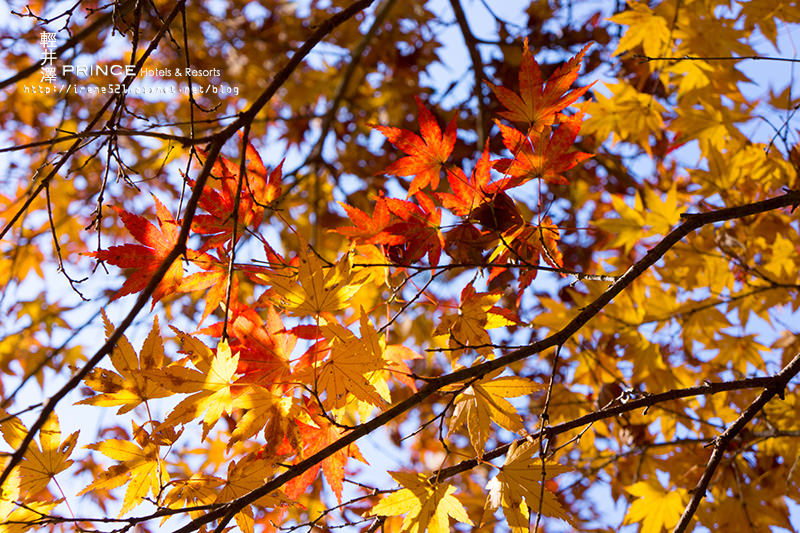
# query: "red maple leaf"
[[405, 230], [264, 348], [370, 230], [315, 439], [145, 258], [219, 197], [538, 103], [468, 193], [426, 155], [542, 155], [264, 186], [419, 229]]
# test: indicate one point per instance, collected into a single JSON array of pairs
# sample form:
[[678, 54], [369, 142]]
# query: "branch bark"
[[777, 387]]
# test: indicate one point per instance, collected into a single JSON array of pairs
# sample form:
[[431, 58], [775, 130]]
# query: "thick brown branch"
[[640, 403], [777, 387]]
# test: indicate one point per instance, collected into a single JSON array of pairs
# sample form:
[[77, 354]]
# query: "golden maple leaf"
[[347, 366], [426, 505], [132, 386], [485, 402], [520, 478]]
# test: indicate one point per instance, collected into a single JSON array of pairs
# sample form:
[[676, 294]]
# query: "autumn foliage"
[[351, 295]]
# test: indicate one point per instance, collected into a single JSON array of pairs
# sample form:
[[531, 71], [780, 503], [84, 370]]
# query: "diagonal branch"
[[721, 443], [609, 412]]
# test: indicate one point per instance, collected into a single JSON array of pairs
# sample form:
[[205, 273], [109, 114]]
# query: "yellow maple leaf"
[[485, 402], [628, 227], [9, 491], [307, 290], [646, 28], [520, 478], [132, 386], [626, 115], [20, 520], [212, 390], [41, 462], [476, 314], [426, 505], [656, 508], [197, 490], [138, 466], [349, 365], [244, 476]]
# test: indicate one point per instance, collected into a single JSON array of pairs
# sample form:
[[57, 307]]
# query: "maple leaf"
[[396, 356], [213, 280], [426, 155], [656, 508], [527, 245], [545, 157], [260, 189], [538, 103], [627, 229], [520, 478], [263, 185], [244, 476], [273, 413], [211, 391], [647, 29], [418, 228], [132, 386], [368, 229], [41, 462], [346, 366], [264, 347], [316, 436], [143, 260], [306, 290], [468, 193], [476, 314], [199, 489], [485, 402], [426, 505], [627, 115], [139, 466]]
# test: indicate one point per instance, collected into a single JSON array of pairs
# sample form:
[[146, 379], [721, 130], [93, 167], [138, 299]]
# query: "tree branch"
[[777, 387]]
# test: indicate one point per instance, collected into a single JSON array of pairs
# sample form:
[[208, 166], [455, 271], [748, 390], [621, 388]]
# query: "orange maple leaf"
[[468, 193], [426, 155], [144, 259], [314, 440], [258, 190], [213, 279], [542, 155], [538, 103], [370, 230]]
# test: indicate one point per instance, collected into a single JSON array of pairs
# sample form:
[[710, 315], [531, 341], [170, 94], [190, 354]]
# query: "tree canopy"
[[399, 266]]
